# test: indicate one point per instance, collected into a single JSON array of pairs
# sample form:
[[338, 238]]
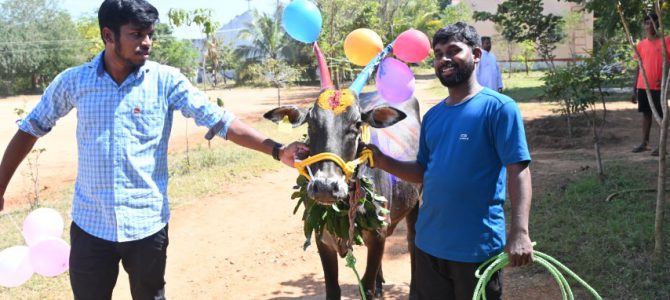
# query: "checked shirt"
[[122, 138]]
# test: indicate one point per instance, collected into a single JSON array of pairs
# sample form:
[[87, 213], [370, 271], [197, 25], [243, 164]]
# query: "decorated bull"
[[338, 122]]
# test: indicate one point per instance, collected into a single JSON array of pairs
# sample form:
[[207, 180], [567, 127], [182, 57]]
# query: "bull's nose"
[[335, 187], [326, 190], [322, 186]]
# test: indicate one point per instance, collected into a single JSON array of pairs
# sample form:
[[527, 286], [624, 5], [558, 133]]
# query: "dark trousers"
[[94, 265], [436, 278]]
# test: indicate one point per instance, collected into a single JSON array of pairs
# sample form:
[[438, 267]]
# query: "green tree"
[[89, 32], [527, 54], [579, 89], [202, 18], [574, 20], [523, 20], [229, 59], [267, 37], [301, 55], [607, 22], [264, 56], [664, 121], [275, 73], [36, 43], [398, 16], [177, 53], [455, 13], [338, 16], [444, 3]]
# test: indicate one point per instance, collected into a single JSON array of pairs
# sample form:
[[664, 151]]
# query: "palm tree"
[[268, 41], [266, 36]]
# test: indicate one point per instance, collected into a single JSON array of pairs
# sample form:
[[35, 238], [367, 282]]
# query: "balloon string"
[[11, 219]]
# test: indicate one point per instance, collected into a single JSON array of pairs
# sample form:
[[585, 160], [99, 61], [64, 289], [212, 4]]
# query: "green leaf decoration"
[[371, 215]]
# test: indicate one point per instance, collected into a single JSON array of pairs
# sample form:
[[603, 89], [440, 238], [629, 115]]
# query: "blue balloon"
[[302, 21]]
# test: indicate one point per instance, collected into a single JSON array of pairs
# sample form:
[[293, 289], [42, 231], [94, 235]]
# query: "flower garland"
[[370, 213]]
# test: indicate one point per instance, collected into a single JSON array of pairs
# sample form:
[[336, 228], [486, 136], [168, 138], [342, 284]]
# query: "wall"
[[578, 42]]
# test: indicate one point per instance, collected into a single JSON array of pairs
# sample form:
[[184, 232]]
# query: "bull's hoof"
[[379, 292]]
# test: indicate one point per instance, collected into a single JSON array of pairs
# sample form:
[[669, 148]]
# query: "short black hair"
[[653, 17], [115, 13], [459, 32], [486, 38]]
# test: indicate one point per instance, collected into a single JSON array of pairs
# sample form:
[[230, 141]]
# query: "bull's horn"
[[362, 79], [326, 82]]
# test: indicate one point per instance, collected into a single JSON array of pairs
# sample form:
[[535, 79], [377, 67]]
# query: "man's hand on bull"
[[377, 155], [294, 151]]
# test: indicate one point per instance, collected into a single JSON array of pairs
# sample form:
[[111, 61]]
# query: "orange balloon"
[[362, 45]]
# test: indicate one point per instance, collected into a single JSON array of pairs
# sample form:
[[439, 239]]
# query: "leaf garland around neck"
[[370, 214]]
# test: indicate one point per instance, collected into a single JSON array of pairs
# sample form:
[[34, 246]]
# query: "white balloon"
[[50, 256], [42, 223], [15, 267]]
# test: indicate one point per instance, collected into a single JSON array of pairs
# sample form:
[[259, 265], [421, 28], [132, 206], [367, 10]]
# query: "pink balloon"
[[50, 256], [15, 267], [411, 46], [42, 223], [395, 81]]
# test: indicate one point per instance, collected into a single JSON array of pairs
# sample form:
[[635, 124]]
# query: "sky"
[[224, 10]]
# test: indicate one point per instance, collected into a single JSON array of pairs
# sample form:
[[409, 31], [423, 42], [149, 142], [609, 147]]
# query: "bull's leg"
[[375, 244], [379, 283], [329, 263], [411, 234]]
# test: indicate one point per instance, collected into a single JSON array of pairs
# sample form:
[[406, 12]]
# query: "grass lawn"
[[614, 239], [520, 87]]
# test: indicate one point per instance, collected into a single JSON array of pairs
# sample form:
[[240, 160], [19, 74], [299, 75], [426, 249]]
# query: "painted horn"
[[362, 79], [326, 82]]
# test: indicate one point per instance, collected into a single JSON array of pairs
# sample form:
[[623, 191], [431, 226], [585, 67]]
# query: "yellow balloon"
[[362, 45]]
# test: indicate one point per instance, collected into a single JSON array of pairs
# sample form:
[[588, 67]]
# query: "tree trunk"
[[509, 74], [596, 148], [569, 120], [204, 73], [526, 63], [659, 243], [34, 81], [278, 96], [188, 158], [599, 161]]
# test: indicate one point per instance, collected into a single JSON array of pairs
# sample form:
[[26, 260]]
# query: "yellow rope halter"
[[347, 167]]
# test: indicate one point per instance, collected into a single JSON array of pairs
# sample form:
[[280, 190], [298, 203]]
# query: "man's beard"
[[130, 62], [461, 75]]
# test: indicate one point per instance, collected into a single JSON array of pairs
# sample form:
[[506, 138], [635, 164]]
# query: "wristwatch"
[[275, 150]]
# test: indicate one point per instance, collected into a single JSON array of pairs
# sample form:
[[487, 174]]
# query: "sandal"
[[655, 152], [641, 148]]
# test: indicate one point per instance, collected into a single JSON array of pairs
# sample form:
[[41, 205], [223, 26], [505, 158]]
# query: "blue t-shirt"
[[464, 149]]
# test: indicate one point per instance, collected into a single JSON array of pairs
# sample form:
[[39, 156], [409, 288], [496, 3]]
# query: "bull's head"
[[335, 125]]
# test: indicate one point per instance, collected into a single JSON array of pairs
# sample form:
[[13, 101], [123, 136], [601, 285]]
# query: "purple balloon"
[[395, 81], [50, 257], [15, 267]]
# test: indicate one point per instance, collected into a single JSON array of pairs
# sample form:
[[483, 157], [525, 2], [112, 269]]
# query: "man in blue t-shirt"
[[472, 147]]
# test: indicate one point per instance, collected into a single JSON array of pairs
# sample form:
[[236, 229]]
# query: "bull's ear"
[[296, 116], [383, 116]]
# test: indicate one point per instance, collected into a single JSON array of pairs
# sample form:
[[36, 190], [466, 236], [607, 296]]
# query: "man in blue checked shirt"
[[125, 107]]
